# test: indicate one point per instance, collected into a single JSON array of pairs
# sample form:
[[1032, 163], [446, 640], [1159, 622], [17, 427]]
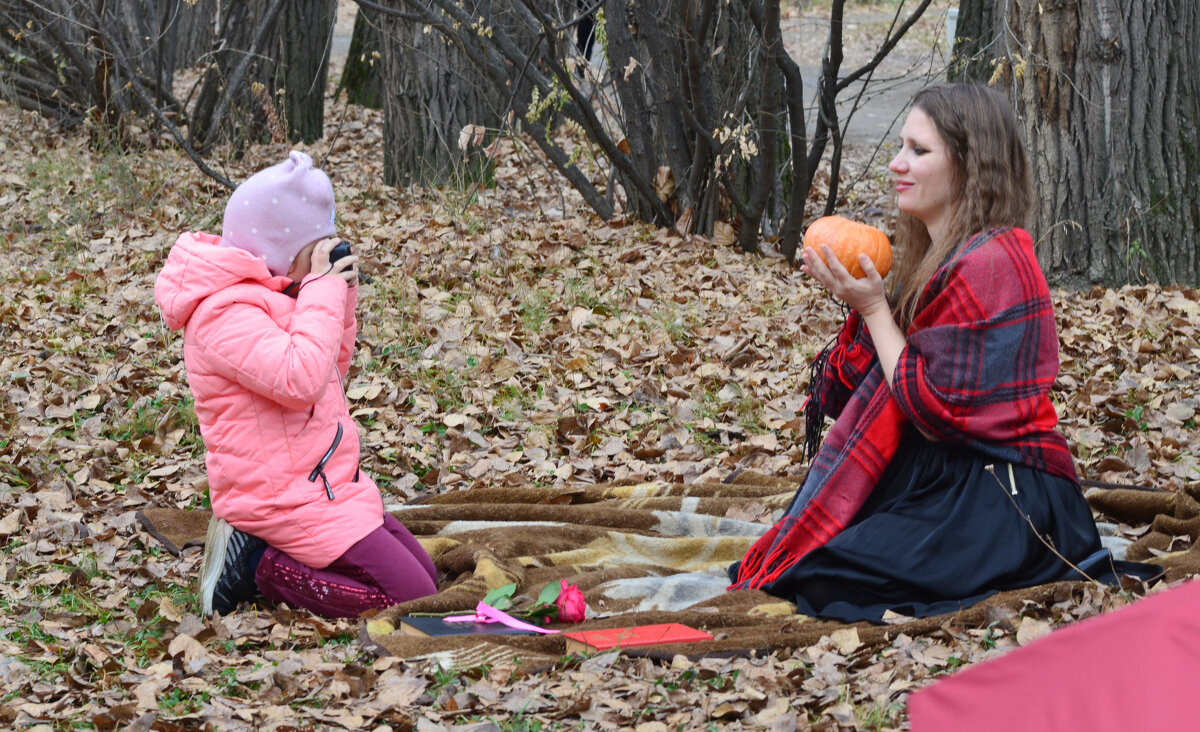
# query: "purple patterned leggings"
[[385, 567]]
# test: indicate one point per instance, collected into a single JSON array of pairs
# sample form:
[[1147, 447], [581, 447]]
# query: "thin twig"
[[1047, 542], [336, 132], [504, 122]]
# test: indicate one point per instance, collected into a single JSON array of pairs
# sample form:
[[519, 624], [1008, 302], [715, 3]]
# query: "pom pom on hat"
[[279, 210]]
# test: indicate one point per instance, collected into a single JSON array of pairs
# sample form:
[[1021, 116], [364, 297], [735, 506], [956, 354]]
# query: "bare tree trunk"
[[437, 82], [976, 44], [770, 125], [32, 60], [431, 95], [1109, 93], [306, 35], [362, 77], [681, 119], [226, 108], [72, 59], [683, 106], [193, 30], [693, 121]]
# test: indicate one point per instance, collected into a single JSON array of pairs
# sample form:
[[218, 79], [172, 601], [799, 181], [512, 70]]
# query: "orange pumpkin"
[[848, 239]]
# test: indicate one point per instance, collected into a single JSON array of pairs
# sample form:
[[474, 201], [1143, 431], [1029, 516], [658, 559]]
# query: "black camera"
[[341, 250]]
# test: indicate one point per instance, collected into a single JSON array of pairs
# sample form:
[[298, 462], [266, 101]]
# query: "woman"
[[943, 479]]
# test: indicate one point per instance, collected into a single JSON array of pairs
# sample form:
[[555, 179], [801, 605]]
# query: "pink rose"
[[572, 608]]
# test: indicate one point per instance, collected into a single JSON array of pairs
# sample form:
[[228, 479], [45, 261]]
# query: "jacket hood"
[[198, 267]]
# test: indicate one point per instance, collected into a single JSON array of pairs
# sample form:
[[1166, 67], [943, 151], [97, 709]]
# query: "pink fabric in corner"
[[1132, 669]]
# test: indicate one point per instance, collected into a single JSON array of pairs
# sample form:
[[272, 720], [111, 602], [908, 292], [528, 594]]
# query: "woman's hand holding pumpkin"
[[865, 294]]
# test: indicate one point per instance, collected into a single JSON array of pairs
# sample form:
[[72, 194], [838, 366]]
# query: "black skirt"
[[945, 528]]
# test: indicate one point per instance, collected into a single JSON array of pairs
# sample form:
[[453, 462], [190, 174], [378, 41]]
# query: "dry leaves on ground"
[[507, 339]]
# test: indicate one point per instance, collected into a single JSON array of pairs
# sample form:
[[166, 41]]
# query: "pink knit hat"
[[280, 210]]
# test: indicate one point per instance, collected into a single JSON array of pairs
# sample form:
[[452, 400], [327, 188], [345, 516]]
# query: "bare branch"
[[887, 46], [239, 72], [139, 89], [582, 111]]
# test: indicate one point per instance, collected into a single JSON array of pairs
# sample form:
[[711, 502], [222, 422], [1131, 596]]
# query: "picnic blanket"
[[646, 553], [1171, 521]]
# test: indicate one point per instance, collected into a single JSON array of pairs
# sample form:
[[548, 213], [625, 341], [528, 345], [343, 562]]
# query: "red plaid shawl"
[[981, 357]]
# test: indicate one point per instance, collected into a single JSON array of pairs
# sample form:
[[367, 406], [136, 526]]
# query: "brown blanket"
[[1173, 537], [656, 552]]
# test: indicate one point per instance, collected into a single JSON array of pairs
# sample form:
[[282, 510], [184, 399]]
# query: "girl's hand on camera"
[[344, 267]]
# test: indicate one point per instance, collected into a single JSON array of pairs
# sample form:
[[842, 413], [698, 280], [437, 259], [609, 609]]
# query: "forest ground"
[[489, 316]]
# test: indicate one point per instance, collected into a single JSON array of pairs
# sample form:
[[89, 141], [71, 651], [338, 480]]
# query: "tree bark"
[[976, 44], [226, 107], [306, 35], [770, 126], [448, 65], [193, 27], [1109, 95], [676, 92], [431, 96], [362, 77], [679, 117], [73, 60], [32, 60]]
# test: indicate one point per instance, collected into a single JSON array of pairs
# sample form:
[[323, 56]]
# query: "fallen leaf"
[[630, 68], [1031, 629], [664, 183], [724, 234], [846, 640], [11, 523]]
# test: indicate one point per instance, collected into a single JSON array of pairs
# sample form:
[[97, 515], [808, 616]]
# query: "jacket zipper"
[[320, 469]]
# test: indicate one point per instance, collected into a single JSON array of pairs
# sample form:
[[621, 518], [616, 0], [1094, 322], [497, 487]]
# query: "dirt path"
[[917, 61]]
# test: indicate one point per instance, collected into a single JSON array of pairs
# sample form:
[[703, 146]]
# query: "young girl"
[[269, 327], [943, 478]]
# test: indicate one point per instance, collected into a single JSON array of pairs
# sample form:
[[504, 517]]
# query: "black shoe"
[[225, 575]]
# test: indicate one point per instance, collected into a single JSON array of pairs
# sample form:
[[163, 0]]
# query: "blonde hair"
[[988, 167]]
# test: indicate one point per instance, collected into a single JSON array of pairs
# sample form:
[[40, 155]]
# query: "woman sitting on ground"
[[943, 479]]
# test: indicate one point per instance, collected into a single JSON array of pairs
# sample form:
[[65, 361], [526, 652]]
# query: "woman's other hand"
[[866, 295]]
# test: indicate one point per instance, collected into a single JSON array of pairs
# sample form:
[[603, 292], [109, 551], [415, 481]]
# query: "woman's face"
[[924, 173]]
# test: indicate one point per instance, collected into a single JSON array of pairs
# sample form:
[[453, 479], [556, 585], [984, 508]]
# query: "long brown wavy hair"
[[989, 169]]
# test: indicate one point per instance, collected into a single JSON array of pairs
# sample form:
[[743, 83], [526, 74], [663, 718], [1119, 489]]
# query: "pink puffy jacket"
[[266, 372]]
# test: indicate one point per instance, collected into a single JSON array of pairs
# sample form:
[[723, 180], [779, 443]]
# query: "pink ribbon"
[[485, 613]]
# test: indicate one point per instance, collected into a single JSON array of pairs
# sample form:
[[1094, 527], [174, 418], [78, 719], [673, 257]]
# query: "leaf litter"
[[510, 339]]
